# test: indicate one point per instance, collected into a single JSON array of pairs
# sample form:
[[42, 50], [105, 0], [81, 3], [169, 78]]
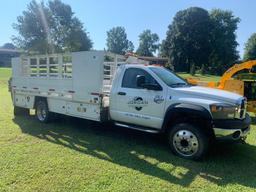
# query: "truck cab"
[[153, 99]]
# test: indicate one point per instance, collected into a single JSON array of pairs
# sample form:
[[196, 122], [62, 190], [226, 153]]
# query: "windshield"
[[168, 77]]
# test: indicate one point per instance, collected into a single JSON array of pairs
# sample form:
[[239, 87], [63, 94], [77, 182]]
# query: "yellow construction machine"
[[240, 78]]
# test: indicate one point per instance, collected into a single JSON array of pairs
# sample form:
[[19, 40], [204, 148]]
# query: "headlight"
[[223, 111]]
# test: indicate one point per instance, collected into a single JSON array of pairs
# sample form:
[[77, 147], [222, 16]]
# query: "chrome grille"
[[242, 109]]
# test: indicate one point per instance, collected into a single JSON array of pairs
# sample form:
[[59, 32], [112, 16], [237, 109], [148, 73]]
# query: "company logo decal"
[[138, 103], [158, 99]]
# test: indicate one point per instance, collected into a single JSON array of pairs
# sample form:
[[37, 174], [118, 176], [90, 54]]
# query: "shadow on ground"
[[253, 118], [226, 164]]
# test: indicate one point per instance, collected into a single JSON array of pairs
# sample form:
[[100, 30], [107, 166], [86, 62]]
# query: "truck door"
[[132, 104]]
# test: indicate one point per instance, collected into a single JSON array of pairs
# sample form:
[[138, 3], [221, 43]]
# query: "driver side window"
[[129, 79]]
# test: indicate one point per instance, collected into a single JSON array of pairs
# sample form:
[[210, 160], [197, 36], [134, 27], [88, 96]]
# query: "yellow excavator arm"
[[234, 69]]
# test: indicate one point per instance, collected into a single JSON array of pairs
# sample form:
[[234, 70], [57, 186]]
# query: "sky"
[[99, 16]]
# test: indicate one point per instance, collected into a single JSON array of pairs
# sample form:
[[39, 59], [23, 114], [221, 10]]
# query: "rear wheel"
[[188, 141], [19, 111], [42, 111]]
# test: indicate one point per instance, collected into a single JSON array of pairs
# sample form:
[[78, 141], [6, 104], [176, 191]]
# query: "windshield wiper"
[[178, 84]]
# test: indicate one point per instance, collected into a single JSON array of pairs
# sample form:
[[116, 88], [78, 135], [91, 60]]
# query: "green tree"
[[192, 70], [223, 41], [8, 46], [148, 43], [130, 47], [50, 28], [250, 48], [202, 70], [187, 40], [117, 41]]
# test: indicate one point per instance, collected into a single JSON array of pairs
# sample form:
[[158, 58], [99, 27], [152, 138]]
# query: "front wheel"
[[42, 111], [188, 141]]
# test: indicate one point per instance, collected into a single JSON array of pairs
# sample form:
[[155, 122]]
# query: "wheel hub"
[[41, 113], [185, 143]]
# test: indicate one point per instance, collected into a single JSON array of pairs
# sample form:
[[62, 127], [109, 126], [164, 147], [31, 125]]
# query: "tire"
[[42, 111], [20, 111], [188, 141]]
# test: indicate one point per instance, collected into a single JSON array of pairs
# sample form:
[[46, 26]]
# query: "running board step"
[[144, 129]]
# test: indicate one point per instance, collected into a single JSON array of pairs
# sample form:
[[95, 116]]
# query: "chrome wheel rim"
[[185, 142], [41, 113]]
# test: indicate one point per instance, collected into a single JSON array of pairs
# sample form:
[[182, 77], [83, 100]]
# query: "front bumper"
[[232, 129]]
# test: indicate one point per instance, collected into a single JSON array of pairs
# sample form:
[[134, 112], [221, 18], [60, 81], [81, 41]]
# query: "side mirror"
[[140, 80]]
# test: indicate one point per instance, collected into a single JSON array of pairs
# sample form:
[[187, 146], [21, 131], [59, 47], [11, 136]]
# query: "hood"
[[210, 93]]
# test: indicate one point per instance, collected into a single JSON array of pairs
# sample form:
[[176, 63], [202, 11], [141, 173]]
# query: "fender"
[[185, 108]]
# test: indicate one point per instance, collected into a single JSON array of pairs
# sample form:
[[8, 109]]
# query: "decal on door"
[[158, 99], [138, 103], [136, 116]]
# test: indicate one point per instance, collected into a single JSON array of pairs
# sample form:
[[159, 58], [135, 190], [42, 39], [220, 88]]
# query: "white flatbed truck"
[[100, 86]]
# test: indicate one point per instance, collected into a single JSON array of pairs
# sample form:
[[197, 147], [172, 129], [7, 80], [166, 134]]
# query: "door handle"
[[121, 93]]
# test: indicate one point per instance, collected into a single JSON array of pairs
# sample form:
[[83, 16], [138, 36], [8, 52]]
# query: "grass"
[[201, 77], [78, 155]]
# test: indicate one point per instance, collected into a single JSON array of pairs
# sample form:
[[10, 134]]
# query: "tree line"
[[196, 39]]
